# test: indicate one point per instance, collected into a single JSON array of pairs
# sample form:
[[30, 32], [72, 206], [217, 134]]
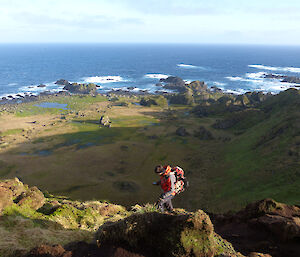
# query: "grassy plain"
[[67, 152]]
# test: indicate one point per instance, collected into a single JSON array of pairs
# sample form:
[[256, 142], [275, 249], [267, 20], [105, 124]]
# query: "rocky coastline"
[[284, 78]]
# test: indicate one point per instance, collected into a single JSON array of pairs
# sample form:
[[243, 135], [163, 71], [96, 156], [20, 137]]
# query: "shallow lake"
[[53, 105]]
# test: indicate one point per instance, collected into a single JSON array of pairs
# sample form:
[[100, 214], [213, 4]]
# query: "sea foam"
[[156, 76], [190, 66], [286, 69], [103, 79]]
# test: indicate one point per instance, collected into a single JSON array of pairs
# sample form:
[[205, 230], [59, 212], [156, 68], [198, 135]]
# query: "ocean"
[[233, 68]]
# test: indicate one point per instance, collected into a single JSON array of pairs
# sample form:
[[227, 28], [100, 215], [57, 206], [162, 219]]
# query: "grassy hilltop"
[[234, 149]]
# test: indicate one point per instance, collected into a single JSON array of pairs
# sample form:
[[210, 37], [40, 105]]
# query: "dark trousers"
[[166, 203]]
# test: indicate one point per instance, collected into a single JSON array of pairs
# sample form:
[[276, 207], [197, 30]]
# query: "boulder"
[[181, 131], [33, 198], [15, 186], [186, 234], [203, 134], [41, 85], [6, 198], [105, 121]]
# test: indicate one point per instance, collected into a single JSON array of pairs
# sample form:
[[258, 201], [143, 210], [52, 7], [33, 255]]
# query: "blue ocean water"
[[235, 68]]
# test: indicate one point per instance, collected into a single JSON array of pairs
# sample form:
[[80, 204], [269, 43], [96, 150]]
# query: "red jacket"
[[168, 180]]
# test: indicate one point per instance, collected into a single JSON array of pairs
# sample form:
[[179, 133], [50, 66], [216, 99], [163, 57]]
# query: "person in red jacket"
[[167, 182]]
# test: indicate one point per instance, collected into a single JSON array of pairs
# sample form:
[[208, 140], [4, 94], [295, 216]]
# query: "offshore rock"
[[62, 82]]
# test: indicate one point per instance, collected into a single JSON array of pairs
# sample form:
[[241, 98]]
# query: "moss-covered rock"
[[186, 98], [33, 197], [6, 198], [188, 234], [154, 101]]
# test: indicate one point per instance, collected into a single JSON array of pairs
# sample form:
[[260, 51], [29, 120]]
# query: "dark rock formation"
[[41, 85], [283, 78], [76, 88], [62, 82], [147, 102], [173, 80], [294, 80], [174, 83], [264, 226], [181, 131], [203, 134], [273, 76], [186, 98]]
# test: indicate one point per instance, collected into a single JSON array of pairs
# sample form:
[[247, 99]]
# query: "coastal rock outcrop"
[[283, 78], [174, 83], [76, 88]]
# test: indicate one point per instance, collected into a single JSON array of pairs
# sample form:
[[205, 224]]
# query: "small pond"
[[53, 105]]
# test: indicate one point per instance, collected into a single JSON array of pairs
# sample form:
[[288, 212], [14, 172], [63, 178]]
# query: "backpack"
[[181, 182]]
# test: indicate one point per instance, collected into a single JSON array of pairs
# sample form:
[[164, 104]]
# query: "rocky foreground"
[[35, 223]]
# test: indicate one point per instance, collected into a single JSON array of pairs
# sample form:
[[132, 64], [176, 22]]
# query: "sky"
[[151, 21]]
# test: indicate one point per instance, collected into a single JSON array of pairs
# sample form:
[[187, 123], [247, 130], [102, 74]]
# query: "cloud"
[[171, 7], [83, 21]]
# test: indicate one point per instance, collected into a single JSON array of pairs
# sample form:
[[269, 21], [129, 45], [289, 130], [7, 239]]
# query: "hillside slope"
[[36, 224]]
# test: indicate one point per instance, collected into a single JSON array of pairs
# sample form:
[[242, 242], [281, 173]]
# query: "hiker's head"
[[159, 169], [162, 170]]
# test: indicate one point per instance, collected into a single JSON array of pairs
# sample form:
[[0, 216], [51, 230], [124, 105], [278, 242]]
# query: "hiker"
[[167, 182], [172, 182]]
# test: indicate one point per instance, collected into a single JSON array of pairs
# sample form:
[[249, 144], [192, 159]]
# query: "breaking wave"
[[189, 66], [286, 69], [156, 76], [257, 82], [103, 79]]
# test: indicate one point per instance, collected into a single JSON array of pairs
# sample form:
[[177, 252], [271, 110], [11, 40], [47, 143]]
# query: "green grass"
[[74, 103], [11, 132]]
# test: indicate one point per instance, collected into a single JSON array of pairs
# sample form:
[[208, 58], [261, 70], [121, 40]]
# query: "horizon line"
[[147, 43]]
